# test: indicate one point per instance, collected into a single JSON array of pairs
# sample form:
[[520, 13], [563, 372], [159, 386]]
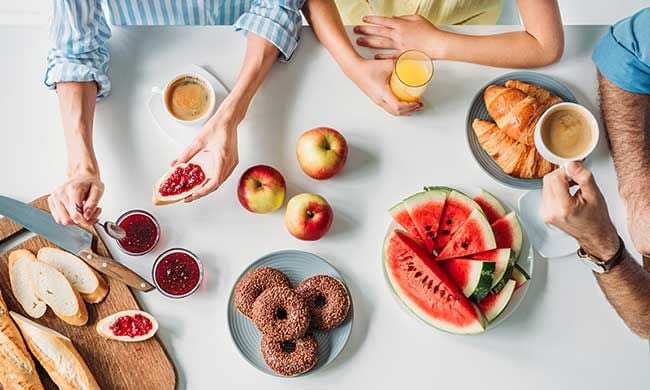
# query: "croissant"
[[546, 98], [515, 112], [514, 158]]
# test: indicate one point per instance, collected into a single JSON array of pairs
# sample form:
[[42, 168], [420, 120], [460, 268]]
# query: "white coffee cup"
[[205, 83], [554, 158]]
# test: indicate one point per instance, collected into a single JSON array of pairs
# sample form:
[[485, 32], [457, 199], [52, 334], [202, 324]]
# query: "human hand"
[[584, 216], [76, 201], [399, 33], [218, 137], [371, 76]]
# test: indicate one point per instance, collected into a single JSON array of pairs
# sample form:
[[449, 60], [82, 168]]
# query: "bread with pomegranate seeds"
[[90, 285], [20, 279], [57, 355]]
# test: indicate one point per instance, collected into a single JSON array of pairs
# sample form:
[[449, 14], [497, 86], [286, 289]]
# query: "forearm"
[[510, 50], [627, 288], [323, 17], [258, 60], [627, 121], [77, 109]]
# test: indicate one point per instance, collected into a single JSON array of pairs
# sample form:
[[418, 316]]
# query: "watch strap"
[[605, 265]]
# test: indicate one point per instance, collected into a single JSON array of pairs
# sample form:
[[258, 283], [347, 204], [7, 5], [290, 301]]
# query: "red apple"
[[321, 152], [308, 216], [261, 189]]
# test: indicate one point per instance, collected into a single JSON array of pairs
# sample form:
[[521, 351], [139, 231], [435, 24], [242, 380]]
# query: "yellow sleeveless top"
[[436, 11]]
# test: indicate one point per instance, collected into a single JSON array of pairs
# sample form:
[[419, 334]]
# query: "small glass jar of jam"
[[142, 232], [177, 273]]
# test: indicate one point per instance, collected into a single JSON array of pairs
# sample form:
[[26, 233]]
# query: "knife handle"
[[115, 270]]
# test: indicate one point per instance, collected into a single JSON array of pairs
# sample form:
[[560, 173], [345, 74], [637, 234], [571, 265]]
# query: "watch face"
[[593, 266]]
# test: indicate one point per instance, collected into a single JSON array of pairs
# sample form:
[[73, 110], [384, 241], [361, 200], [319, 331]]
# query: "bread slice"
[[103, 327], [17, 369], [54, 289], [85, 280], [160, 200], [19, 276], [57, 355]]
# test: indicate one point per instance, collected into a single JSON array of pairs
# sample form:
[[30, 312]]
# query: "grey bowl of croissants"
[[501, 125]]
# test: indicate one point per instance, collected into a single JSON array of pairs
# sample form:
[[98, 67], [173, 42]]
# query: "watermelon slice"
[[520, 276], [457, 209], [402, 217], [426, 289], [494, 304], [502, 267], [508, 234], [474, 236], [490, 205], [472, 276], [425, 209]]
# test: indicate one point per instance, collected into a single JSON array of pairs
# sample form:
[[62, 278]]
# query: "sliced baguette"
[[103, 327], [19, 276], [85, 280], [17, 369], [57, 355], [54, 289]]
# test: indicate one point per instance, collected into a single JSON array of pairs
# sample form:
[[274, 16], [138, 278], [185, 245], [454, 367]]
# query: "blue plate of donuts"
[[290, 313]]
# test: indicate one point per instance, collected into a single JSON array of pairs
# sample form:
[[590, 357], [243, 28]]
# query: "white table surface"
[[565, 334]]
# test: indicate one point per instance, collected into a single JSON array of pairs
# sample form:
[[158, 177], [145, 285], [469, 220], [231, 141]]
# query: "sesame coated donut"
[[251, 285], [290, 358], [328, 301], [281, 314]]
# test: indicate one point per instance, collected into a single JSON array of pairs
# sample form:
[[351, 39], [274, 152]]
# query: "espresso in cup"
[[187, 98], [566, 133]]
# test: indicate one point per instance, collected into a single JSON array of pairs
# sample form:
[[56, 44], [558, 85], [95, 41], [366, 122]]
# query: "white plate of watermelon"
[[457, 259]]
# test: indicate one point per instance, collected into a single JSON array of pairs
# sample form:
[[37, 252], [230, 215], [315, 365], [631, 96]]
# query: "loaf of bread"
[[90, 285], [57, 355], [17, 369]]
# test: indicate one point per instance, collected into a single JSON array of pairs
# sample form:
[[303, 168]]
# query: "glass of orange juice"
[[411, 75]]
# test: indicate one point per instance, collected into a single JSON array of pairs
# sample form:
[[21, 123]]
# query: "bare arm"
[[84, 187], [370, 76], [627, 288], [541, 43], [219, 134], [627, 120]]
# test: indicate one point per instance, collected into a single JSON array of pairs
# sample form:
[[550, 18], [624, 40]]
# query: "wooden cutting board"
[[115, 365]]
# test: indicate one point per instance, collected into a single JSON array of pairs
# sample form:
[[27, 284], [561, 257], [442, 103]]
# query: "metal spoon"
[[110, 227]]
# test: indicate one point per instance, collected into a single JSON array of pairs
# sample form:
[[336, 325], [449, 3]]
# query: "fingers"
[[387, 56], [399, 108], [378, 31], [92, 200], [556, 199], [380, 20], [58, 210], [222, 170], [189, 152], [376, 43], [584, 178]]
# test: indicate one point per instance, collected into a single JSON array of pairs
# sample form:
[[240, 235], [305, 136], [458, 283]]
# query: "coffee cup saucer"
[[549, 241], [182, 133]]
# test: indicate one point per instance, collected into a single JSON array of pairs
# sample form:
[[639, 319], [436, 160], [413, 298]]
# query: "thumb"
[[188, 153], [583, 177], [90, 205]]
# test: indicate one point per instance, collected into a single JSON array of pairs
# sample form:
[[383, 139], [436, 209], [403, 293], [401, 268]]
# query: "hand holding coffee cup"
[[188, 98]]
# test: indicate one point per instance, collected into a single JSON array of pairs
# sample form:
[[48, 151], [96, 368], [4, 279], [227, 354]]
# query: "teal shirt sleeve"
[[277, 21], [623, 54], [78, 49]]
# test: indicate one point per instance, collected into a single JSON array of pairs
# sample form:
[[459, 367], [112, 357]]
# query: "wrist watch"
[[599, 265]]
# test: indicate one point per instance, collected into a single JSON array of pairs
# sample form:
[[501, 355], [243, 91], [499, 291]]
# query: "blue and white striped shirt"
[[79, 29]]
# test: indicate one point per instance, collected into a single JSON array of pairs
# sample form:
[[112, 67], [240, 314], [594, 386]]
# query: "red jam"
[[183, 179], [141, 233], [132, 326], [178, 274]]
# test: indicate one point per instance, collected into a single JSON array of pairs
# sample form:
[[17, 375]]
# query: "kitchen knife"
[[71, 238]]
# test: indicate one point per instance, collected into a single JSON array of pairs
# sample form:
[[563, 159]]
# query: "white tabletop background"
[[564, 336]]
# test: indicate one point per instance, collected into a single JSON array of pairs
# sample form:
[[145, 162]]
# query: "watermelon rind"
[[519, 275], [511, 221], [477, 326], [400, 214], [494, 304], [503, 261], [456, 247], [506, 277], [478, 280], [419, 203], [491, 206]]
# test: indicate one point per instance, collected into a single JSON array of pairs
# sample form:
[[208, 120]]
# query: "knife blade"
[[71, 238]]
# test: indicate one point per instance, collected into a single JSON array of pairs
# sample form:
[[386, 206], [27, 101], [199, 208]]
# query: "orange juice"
[[413, 71]]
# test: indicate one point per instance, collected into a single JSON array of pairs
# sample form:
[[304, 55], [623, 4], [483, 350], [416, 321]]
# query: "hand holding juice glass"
[[412, 73]]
